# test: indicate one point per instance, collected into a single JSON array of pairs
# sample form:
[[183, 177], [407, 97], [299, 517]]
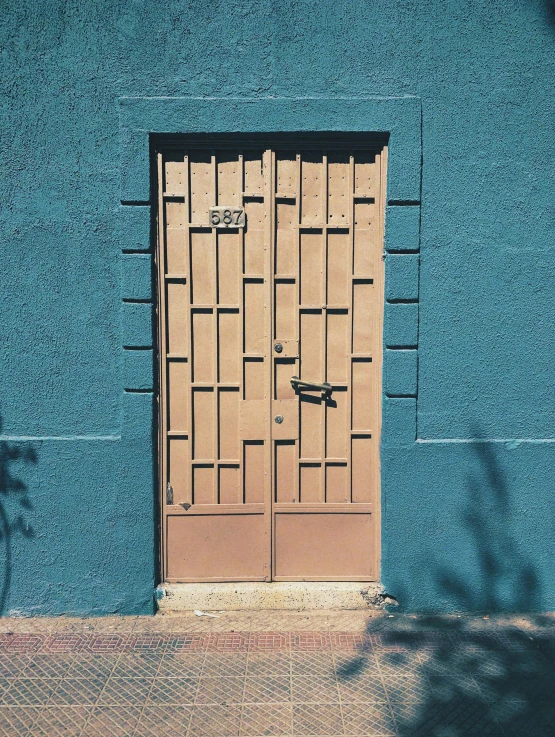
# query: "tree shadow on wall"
[[549, 6], [14, 503], [448, 677]]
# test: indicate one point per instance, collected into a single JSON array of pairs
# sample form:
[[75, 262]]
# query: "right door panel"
[[327, 328]]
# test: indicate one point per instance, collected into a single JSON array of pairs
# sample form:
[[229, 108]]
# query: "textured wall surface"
[[468, 514]]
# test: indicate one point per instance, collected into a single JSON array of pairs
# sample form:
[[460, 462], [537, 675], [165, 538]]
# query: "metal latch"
[[169, 494], [325, 388]]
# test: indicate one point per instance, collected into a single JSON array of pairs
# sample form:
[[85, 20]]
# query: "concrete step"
[[297, 595]]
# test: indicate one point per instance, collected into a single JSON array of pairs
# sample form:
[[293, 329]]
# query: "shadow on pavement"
[[446, 677]]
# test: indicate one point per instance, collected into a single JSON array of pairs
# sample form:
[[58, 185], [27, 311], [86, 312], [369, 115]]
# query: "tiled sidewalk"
[[277, 674]]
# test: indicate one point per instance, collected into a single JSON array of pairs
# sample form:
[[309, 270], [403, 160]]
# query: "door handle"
[[325, 388]]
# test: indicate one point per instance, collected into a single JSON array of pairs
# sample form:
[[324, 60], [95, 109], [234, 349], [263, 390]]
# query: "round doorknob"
[[278, 348], [278, 419]]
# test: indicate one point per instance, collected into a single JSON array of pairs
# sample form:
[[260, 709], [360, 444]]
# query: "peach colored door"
[[271, 302]]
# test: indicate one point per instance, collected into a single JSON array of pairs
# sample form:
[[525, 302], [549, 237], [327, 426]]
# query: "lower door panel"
[[227, 547]]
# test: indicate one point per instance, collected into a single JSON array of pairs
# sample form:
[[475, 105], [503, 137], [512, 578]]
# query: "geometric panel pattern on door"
[[270, 361]]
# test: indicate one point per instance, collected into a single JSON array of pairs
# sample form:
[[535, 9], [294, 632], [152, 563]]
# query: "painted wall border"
[[398, 117]]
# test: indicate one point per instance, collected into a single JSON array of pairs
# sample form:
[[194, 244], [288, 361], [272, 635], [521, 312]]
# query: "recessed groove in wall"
[[138, 391], [515, 441], [133, 251], [396, 251], [137, 347], [71, 438], [404, 203], [127, 300], [401, 396], [396, 301], [135, 203]]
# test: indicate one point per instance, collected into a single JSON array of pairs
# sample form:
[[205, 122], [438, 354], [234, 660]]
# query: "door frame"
[[274, 509], [144, 122]]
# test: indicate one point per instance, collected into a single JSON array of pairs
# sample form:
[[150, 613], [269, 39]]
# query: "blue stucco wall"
[[468, 458]]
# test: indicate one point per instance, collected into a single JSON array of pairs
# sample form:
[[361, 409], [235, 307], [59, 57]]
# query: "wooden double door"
[[270, 341]]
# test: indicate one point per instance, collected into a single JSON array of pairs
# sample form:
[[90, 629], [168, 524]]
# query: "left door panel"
[[214, 328]]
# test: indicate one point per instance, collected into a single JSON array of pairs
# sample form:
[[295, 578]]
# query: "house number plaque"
[[227, 217]]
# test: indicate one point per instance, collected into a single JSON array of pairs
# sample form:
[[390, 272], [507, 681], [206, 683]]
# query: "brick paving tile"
[[225, 665], [172, 721], [110, 721], [314, 689], [317, 719], [22, 642], [240, 622], [368, 719], [227, 641], [301, 641], [147, 642], [113, 624], [457, 717], [137, 665], [166, 625], [108, 642], [220, 691], [215, 721], [40, 625], [176, 691], [5, 684], [92, 666], [311, 663], [48, 666], [125, 691], [403, 688], [268, 664], [12, 665], [77, 692], [397, 660], [16, 722], [273, 719], [267, 689], [366, 688], [27, 692], [451, 686], [64, 643], [349, 622], [349, 664], [526, 718], [55, 722], [260, 642], [491, 666], [515, 689], [349, 641], [279, 621], [190, 642], [182, 665]]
